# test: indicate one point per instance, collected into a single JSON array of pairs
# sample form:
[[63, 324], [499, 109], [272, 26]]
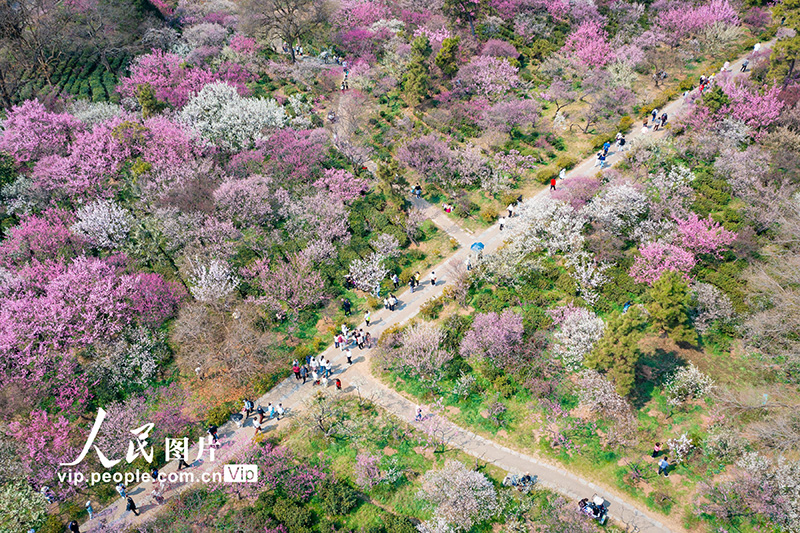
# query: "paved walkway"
[[293, 394]]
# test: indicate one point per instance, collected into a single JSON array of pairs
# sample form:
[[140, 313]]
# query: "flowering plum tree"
[[342, 184], [40, 238], [212, 280], [45, 445], [579, 330], [703, 236], [171, 80], [289, 286], [246, 202], [494, 337], [754, 109], [220, 115], [488, 76], [589, 45], [687, 383], [461, 497], [619, 207], [429, 156], [509, 114], [296, 154], [420, 352], [656, 258], [103, 223], [30, 132]]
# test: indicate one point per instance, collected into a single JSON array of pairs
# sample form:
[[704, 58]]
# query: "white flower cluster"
[[588, 275], [135, 359], [103, 223], [710, 304], [212, 281], [219, 115], [91, 113], [578, 333], [619, 208], [680, 448], [687, 382], [541, 223]]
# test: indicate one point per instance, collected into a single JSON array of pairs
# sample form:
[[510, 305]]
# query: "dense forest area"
[[569, 227]]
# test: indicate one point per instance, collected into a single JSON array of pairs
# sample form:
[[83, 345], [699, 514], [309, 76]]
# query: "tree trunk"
[[471, 24], [789, 74]]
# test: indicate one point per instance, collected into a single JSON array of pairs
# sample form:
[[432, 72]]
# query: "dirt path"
[[294, 395]]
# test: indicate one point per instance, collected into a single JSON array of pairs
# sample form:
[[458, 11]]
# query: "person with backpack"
[[212, 430], [606, 146], [248, 408], [132, 506], [72, 526]]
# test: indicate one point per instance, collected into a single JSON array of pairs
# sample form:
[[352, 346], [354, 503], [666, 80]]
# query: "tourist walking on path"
[[552, 185], [72, 526], [304, 373], [182, 464], [90, 510], [212, 430], [296, 370], [121, 490], [349, 354], [367, 318], [132, 506], [433, 278], [280, 411], [395, 281], [248, 408]]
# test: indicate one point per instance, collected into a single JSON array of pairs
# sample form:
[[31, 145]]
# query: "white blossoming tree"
[[212, 281], [619, 207], [103, 223], [687, 383], [588, 274], [367, 273], [461, 498], [219, 115], [544, 224], [579, 329]]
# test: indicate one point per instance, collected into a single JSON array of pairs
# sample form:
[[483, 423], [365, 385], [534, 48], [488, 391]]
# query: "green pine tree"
[[669, 308], [416, 80], [391, 181], [421, 47], [618, 351], [447, 57]]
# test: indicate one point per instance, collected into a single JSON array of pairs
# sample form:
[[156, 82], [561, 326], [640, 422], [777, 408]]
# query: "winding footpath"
[[295, 396]]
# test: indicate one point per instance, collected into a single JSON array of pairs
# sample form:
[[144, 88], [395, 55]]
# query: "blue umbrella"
[[477, 247]]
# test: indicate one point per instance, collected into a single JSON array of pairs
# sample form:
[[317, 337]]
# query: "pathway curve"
[[294, 395]]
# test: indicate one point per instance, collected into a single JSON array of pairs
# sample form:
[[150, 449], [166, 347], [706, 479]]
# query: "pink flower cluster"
[[589, 45], [175, 82], [695, 236], [682, 19]]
